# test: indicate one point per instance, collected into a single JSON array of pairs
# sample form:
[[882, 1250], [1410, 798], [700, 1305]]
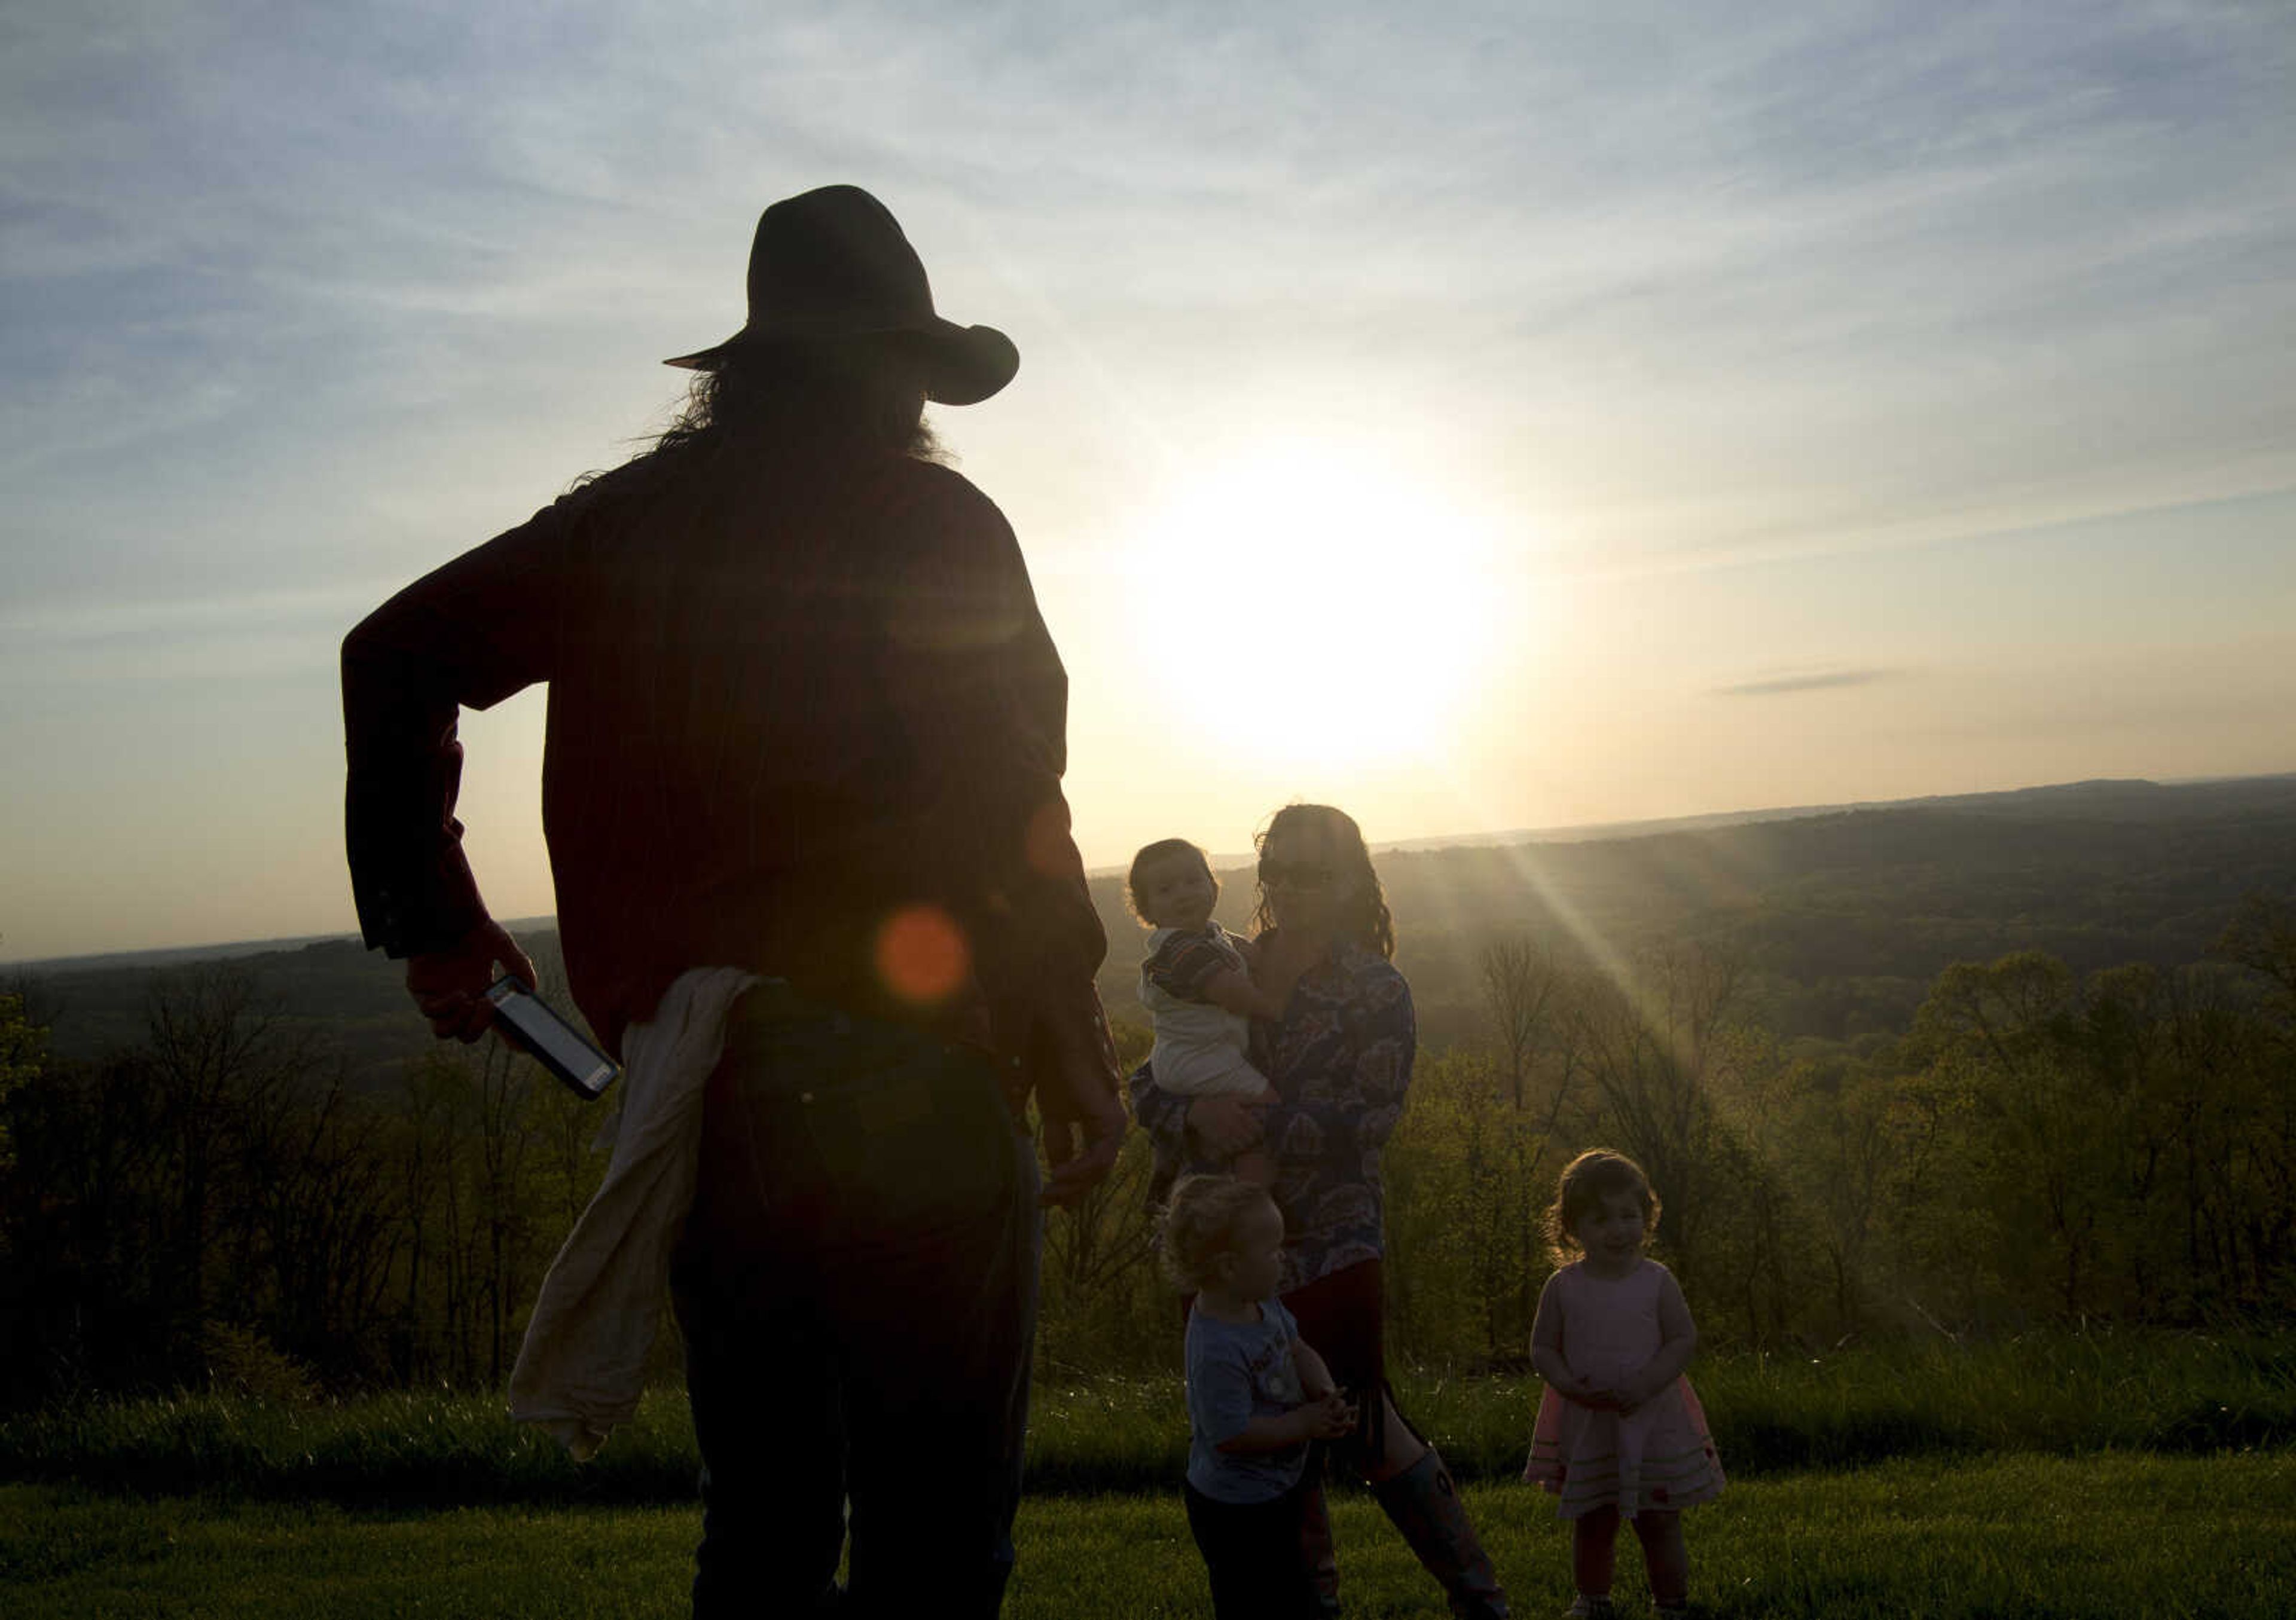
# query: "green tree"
[[1651, 1039], [23, 1054], [1465, 1190], [1521, 981], [1852, 1141]]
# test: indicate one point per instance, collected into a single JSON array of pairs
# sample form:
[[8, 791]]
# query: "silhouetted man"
[[804, 721]]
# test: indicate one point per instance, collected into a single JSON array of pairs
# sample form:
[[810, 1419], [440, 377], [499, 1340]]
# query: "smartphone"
[[527, 1022]]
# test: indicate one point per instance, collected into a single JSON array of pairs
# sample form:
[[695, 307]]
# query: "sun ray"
[[1643, 1000]]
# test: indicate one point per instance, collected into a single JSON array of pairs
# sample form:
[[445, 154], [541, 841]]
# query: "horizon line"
[[1584, 832]]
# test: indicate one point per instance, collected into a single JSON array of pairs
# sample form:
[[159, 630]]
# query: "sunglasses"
[[1296, 874]]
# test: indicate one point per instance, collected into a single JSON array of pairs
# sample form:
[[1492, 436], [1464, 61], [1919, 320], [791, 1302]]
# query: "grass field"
[[2072, 1476], [2173, 1394], [2003, 1537]]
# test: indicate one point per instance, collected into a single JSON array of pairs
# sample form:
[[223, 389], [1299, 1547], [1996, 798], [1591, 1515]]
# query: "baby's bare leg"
[[1255, 1164]]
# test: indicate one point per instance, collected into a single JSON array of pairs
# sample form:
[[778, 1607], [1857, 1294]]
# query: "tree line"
[[214, 1204], [2039, 1147]]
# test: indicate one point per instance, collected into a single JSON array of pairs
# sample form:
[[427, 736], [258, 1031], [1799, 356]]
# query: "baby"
[[1196, 984]]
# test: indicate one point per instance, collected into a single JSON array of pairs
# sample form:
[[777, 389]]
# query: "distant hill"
[[179, 956], [2132, 793], [1843, 915], [174, 956]]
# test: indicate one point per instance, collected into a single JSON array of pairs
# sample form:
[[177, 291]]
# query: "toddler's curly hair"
[[1584, 1182], [1200, 1222]]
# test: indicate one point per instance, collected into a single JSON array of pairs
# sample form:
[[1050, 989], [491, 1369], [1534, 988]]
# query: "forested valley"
[[1962, 1067]]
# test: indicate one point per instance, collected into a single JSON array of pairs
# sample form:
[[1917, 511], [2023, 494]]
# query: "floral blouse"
[[1341, 1060]]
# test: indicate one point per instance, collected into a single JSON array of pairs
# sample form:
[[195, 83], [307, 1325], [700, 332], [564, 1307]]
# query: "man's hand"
[[450, 985], [1083, 1118]]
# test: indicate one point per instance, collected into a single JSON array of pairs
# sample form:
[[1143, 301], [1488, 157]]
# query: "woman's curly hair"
[[1368, 922]]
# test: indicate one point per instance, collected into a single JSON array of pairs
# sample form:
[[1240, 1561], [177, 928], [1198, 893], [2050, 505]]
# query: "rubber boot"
[[1425, 1505], [1319, 1560]]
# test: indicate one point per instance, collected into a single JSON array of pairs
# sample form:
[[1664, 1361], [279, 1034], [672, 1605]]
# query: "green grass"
[[414, 1448], [2178, 1393], [2170, 1394], [2006, 1537]]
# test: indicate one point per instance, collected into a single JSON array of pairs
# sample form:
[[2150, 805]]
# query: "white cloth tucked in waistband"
[[582, 1366]]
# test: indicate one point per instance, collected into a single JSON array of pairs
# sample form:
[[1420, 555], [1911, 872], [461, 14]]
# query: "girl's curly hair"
[[1586, 1182], [1200, 1222]]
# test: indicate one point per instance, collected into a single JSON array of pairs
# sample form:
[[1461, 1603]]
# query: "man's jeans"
[[857, 1288]]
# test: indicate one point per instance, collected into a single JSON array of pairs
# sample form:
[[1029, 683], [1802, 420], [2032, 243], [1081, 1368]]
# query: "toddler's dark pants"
[[1252, 1550]]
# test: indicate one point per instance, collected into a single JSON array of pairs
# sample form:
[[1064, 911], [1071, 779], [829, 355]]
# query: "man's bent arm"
[[469, 634]]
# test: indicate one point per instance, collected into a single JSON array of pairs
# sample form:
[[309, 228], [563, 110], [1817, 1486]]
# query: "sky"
[[1480, 417]]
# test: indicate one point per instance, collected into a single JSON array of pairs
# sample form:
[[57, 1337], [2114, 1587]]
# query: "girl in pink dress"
[[1620, 1432]]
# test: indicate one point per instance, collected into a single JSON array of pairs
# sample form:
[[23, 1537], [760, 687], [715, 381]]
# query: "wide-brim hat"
[[833, 263]]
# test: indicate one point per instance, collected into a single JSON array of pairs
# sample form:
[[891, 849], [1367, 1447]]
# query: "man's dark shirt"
[[788, 703]]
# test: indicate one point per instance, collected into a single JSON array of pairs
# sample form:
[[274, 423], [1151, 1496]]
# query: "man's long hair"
[[797, 402]]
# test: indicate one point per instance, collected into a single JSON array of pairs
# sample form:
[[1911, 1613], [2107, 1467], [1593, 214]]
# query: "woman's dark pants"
[[1251, 1552], [858, 1289]]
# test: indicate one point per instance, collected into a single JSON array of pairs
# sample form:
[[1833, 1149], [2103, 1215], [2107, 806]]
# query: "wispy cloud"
[[1814, 680], [1728, 313], [125, 621]]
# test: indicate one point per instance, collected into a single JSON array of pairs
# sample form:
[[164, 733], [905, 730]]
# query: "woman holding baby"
[[1337, 1060]]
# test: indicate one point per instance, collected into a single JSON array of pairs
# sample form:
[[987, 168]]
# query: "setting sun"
[[1360, 604]]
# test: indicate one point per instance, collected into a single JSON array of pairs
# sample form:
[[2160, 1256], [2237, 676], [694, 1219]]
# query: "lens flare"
[[921, 954]]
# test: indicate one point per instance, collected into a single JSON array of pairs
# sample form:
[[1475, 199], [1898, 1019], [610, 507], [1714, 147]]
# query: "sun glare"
[[1316, 608]]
